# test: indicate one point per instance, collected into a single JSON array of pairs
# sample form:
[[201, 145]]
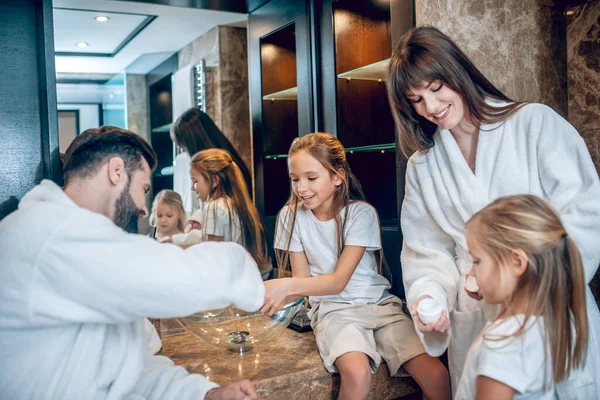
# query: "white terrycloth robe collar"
[[464, 191], [47, 192]]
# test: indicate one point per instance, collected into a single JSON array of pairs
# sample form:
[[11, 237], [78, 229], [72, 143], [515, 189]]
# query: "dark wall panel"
[[28, 117]]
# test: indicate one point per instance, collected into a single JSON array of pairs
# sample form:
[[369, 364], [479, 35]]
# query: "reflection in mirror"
[[68, 127], [136, 72], [114, 110]]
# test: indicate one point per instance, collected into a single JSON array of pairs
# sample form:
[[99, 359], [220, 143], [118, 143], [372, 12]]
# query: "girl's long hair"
[[553, 284], [217, 163], [423, 55], [328, 150], [195, 131], [174, 200]]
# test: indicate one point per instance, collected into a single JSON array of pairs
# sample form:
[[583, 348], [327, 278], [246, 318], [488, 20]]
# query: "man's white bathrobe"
[[74, 291], [533, 152]]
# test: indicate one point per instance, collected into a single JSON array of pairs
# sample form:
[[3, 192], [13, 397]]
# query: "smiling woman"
[[469, 144], [427, 65]]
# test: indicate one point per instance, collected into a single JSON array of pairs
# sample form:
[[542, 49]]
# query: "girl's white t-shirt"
[[317, 239], [220, 219], [523, 362]]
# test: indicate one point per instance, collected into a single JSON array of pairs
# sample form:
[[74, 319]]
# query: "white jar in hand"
[[429, 311], [471, 284]]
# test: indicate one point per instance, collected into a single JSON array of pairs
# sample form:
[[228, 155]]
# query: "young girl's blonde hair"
[[553, 285], [174, 200], [218, 164], [328, 150]]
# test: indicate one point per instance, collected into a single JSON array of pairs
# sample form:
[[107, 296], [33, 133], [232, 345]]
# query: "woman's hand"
[[442, 324], [192, 224], [170, 240], [276, 294]]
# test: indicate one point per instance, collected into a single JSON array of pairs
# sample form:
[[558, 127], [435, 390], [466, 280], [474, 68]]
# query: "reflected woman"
[[195, 131]]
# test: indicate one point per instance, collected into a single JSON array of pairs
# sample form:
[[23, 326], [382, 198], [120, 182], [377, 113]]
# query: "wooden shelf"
[[360, 149], [164, 128], [372, 72], [167, 171], [288, 94], [375, 147], [275, 156]]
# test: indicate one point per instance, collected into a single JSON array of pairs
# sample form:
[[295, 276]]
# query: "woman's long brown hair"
[[328, 150], [195, 131], [231, 185], [423, 55], [553, 285]]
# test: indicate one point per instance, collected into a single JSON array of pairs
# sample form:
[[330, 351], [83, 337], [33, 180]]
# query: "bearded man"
[[76, 283]]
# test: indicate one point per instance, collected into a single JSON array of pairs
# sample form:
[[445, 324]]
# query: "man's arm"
[[107, 276]]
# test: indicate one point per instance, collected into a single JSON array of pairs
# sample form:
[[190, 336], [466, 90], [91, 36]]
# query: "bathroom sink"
[[238, 330]]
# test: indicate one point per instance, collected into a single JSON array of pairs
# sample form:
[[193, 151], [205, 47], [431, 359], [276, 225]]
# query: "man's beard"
[[126, 212]]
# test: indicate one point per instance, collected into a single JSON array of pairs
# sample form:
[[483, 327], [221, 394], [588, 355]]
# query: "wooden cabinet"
[[161, 118], [280, 96], [331, 78], [357, 37]]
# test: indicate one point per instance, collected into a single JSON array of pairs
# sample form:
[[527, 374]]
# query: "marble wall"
[[233, 88], [583, 55], [137, 105], [224, 50], [137, 121], [205, 47], [518, 45]]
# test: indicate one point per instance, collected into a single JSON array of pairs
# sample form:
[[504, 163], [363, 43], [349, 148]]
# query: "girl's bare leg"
[[355, 375]]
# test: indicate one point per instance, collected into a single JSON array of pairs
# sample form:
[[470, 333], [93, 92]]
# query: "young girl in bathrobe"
[[526, 263], [331, 238], [228, 213], [168, 215], [471, 144]]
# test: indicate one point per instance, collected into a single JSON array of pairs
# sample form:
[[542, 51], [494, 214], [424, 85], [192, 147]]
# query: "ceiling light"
[[111, 95], [81, 45], [570, 12], [102, 18]]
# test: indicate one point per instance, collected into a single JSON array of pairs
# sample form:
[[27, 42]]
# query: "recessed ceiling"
[[137, 34], [79, 93], [102, 38]]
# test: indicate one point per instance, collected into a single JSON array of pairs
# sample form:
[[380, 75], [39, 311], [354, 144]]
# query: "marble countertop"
[[286, 359], [287, 366]]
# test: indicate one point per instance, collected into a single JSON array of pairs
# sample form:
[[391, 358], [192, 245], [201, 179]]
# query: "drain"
[[239, 337], [239, 342]]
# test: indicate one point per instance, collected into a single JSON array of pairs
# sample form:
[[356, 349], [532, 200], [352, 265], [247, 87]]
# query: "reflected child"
[[168, 215], [228, 213]]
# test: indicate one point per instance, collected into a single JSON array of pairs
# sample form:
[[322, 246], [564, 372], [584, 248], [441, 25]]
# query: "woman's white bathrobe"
[[534, 152], [74, 291]]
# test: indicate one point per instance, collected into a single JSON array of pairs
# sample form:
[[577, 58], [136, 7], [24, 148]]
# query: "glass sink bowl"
[[238, 330]]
